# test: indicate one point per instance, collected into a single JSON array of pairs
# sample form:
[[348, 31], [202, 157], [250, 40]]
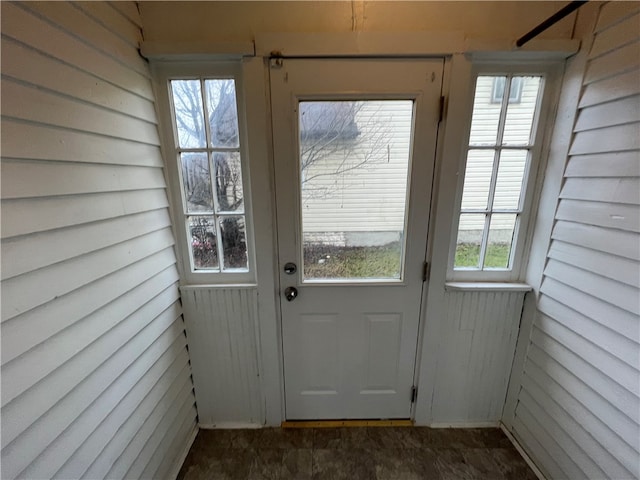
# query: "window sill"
[[234, 286], [486, 287]]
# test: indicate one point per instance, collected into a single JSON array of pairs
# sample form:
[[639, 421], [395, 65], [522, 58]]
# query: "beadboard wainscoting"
[[476, 346], [222, 331]]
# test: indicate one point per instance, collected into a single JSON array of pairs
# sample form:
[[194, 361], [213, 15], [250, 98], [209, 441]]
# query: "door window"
[[354, 171]]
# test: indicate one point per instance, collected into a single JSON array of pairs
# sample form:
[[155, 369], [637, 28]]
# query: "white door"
[[354, 143]]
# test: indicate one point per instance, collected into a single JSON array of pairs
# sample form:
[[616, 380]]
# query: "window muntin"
[[498, 159], [205, 120], [515, 92]]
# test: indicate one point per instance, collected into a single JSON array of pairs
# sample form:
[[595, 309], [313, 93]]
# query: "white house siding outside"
[[355, 195], [518, 123], [362, 205]]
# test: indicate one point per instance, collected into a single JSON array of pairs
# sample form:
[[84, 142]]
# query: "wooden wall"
[[577, 410], [183, 22], [95, 371]]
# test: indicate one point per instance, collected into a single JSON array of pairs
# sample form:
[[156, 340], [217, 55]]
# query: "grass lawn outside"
[[329, 261], [468, 255], [323, 261]]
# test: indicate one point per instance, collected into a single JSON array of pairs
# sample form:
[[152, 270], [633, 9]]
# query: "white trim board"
[[465, 425], [230, 426], [407, 44], [232, 286], [182, 51], [175, 470], [538, 49], [487, 287], [340, 44], [522, 453], [361, 44]]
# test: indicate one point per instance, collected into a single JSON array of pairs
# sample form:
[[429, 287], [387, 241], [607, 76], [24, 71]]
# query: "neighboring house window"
[[497, 173], [205, 122], [515, 92]]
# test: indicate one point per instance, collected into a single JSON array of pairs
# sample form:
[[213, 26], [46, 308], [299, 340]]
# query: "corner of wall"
[[549, 191]]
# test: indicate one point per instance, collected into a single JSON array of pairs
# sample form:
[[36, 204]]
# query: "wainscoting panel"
[[222, 332], [475, 353]]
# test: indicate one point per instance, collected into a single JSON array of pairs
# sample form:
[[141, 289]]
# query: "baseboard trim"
[[228, 425], [346, 423], [465, 425], [183, 456], [522, 453]]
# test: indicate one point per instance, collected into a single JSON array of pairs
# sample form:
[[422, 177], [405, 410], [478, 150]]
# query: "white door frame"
[[256, 83], [421, 189]]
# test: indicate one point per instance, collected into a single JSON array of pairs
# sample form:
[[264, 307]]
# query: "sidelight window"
[[209, 157], [499, 165]]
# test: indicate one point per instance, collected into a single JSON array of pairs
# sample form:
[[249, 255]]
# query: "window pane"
[[517, 127], [477, 179], [470, 229], [515, 91], [187, 103], [203, 243], [354, 159], [234, 244], [500, 240], [223, 112], [509, 180], [196, 181], [486, 113], [228, 181]]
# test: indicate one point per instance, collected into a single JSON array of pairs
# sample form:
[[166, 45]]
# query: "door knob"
[[290, 293]]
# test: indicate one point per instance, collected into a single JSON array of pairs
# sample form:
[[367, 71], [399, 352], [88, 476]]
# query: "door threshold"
[[345, 423]]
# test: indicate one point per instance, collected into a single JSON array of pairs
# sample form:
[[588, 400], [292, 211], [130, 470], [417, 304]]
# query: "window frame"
[[163, 74], [535, 165]]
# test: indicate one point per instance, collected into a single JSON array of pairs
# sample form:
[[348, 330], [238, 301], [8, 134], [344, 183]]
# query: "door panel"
[[317, 349], [382, 334], [354, 144]]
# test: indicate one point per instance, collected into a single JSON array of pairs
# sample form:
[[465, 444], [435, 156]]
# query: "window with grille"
[[502, 140], [207, 141]]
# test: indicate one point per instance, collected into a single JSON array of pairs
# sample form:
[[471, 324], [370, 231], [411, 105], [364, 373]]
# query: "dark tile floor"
[[379, 453]]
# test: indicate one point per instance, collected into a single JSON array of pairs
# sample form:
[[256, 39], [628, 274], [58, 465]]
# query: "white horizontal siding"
[[369, 197], [336, 202], [578, 407], [39, 33], [95, 370], [484, 128], [478, 342], [372, 196], [32, 215]]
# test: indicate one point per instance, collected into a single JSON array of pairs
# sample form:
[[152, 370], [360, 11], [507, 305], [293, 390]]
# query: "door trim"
[[434, 168]]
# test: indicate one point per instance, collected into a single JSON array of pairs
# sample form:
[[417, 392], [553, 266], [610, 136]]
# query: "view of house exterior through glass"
[[208, 147], [354, 164], [498, 159]]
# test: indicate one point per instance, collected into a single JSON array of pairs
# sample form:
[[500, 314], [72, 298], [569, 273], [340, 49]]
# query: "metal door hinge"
[[276, 60], [426, 271], [414, 394], [441, 115]]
